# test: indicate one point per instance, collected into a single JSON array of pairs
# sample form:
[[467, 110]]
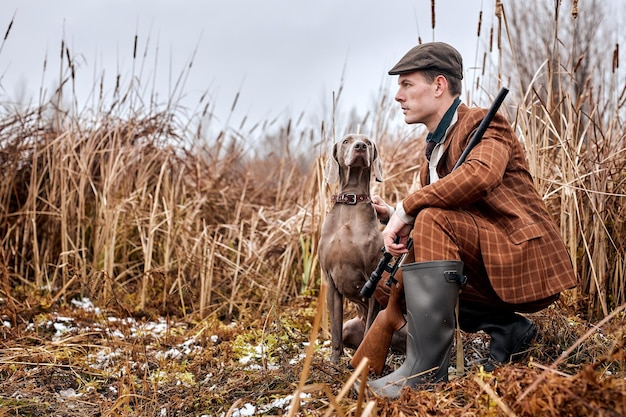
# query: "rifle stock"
[[375, 344]]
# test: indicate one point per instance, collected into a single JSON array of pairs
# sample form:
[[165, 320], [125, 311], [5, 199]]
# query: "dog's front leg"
[[334, 300]]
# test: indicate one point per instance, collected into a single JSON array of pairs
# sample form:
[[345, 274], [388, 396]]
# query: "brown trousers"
[[440, 234]]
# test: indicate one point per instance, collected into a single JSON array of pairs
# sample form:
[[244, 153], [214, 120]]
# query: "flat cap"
[[433, 55]]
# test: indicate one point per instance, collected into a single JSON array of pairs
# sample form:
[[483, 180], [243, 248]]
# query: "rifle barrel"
[[484, 124]]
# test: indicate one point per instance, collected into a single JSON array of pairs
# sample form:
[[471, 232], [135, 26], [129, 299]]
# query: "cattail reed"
[[484, 65], [577, 64], [6, 34], [432, 14], [499, 16]]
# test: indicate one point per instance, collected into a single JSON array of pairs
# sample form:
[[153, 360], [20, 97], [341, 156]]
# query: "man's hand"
[[383, 210], [396, 228]]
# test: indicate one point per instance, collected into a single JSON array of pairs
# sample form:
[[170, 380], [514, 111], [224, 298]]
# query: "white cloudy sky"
[[283, 56]]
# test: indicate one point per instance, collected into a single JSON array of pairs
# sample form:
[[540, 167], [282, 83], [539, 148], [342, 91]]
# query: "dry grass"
[[154, 213], [76, 361]]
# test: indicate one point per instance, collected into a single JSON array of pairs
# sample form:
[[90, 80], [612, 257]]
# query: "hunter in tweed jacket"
[[523, 255]]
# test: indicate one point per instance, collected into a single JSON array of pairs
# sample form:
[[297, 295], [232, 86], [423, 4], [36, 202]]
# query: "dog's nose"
[[360, 146]]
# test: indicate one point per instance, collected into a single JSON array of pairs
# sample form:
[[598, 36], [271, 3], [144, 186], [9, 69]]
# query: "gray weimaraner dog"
[[350, 243]]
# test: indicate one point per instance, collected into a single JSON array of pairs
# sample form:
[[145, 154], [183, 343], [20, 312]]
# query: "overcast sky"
[[283, 56]]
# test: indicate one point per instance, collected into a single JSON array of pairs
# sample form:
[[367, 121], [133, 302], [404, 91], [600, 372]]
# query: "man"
[[482, 234]]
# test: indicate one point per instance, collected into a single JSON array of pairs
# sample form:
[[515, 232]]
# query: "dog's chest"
[[350, 240]]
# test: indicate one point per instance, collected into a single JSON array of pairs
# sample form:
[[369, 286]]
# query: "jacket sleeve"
[[481, 172]]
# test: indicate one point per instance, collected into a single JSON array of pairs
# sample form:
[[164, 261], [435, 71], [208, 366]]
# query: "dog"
[[350, 242]]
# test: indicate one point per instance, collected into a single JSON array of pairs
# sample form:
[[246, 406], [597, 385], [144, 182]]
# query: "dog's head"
[[353, 151]]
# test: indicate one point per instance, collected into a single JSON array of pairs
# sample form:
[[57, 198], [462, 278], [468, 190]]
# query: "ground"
[[80, 360]]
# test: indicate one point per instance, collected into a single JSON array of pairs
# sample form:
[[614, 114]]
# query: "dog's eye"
[[345, 142]]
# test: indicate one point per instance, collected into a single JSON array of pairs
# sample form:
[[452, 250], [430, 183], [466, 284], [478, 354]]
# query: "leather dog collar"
[[348, 198]]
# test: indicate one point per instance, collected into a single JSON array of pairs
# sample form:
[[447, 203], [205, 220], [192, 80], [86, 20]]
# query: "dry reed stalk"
[[324, 193], [5, 284], [494, 397], [147, 235], [30, 232], [235, 284], [206, 270], [599, 255], [306, 366], [81, 158], [361, 371]]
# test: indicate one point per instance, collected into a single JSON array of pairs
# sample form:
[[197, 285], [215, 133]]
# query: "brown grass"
[[154, 213]]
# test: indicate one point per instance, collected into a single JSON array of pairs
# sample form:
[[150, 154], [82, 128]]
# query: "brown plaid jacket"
[[521, 247]]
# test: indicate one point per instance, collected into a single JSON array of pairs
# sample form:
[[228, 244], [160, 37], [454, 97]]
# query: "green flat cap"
[[433, 55]]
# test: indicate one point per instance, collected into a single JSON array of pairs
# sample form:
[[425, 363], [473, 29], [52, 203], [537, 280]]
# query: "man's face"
[[418, 100]]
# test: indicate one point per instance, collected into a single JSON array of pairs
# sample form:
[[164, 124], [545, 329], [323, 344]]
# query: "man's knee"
[[429, 216], [431, 239]]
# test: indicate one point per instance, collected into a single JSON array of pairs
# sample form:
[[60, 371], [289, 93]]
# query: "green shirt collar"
[[444, 124]]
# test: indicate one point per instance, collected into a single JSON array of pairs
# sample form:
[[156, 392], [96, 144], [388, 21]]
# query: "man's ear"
[[441, 84]]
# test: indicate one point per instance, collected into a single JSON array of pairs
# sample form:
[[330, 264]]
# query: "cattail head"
[[6, 34], [499, 16], [580, 59], [484, 62], [432, 13]]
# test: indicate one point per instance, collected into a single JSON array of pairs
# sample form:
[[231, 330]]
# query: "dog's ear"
[[377, 164], [331, 173]]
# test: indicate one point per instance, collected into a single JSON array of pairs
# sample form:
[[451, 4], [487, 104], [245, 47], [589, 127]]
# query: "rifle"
[[384, 263], [390, 319]]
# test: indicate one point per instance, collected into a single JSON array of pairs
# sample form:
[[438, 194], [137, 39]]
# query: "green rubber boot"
[[431, 291]]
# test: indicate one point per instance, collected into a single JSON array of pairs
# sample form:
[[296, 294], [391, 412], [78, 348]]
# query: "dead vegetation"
[[156, 265], [79, 360]]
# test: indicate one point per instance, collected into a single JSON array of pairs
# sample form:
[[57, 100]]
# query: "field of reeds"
[[153, 263]]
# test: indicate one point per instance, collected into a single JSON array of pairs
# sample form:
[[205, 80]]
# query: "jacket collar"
[[461, 112], [439, 133]]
